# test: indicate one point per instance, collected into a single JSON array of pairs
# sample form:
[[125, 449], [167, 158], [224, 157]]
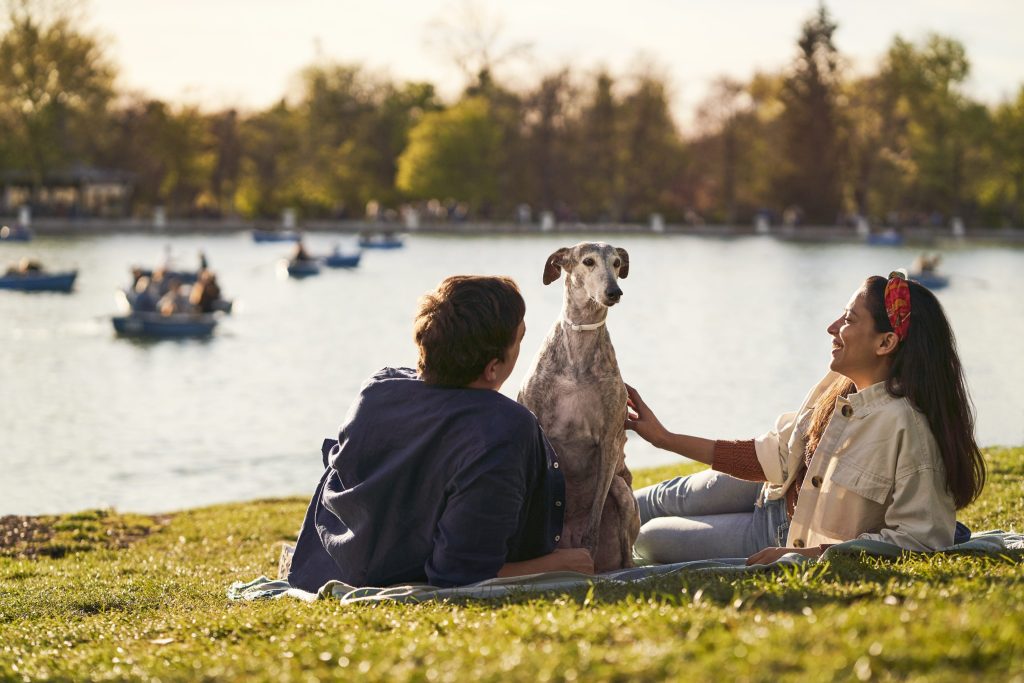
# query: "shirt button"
[[816, 482], [847, 410], [555, 465], [557, 538], [798, 543], [558, 503]]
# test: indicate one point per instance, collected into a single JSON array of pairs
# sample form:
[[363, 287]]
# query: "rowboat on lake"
[[380, 241], [39, 281], [300, 268], [889, 238], [275, 236], [925, 271], [156, 326], [15, 233], [931, 280], [338, 260]]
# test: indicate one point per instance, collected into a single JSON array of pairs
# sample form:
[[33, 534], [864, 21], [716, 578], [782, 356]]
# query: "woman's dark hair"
[[926, 369], [464, 324]]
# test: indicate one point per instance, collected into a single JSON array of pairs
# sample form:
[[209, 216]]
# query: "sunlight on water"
[[720, 336]]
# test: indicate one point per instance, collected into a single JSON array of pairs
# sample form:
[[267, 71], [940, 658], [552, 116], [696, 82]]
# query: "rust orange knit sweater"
[[739, 459]]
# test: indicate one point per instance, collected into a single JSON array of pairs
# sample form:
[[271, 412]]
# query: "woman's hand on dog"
[[642, 420]]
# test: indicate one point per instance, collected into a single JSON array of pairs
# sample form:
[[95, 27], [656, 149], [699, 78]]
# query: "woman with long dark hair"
[[882, 448]]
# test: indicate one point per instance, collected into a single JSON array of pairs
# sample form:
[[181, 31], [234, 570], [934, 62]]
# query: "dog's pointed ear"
[[553, 266], [624, 266]]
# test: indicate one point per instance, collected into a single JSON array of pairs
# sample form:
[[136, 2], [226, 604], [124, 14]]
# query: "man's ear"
[[553, 266], [490, 372], [890, 342], [624, 266]]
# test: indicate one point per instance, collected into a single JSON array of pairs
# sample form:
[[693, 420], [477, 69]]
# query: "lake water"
[[720, 336]]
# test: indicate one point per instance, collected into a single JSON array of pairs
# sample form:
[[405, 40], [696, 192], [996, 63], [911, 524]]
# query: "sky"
[[246, 53]]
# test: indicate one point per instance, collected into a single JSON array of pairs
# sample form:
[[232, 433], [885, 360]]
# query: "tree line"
[[813, 141]]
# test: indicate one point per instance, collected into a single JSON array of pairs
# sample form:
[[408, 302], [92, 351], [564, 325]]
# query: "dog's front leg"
[[620, 525]]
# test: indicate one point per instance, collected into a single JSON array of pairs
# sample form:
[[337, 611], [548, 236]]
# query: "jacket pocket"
[[870, 485]]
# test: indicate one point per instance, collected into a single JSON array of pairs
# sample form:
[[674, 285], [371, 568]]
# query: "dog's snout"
[[613, 292]]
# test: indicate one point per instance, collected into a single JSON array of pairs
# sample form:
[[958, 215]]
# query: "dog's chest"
[[587, 411]]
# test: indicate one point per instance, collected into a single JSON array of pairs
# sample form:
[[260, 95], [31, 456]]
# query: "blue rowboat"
[[337, 260], [931, 280], [301, 268], [40, 282], [156, 326], [275, 236], [885, 239], [17, 233], [381, 242]]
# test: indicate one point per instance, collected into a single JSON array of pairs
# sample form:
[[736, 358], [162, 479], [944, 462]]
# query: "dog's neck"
[[587, 351], [581, 313]]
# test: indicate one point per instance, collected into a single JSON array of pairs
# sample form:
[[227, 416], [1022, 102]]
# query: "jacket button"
[[557, 538], [798, 543], [816, 482], [558, 503], [847, 410], [555, 465]]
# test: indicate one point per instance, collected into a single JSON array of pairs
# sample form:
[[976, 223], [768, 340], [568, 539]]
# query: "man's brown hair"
[[464, 324]]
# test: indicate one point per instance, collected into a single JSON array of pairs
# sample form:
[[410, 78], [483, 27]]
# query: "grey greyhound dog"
[[576, 391]]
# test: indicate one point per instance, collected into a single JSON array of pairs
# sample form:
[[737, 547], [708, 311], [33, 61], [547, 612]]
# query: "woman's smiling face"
[[857, 347]]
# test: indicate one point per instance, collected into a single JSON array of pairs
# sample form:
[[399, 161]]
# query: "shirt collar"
[[870, 397]]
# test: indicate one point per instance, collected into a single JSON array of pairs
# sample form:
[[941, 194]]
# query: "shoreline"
[[55, 227], [651, 472]]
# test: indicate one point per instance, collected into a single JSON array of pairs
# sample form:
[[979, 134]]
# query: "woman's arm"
[[563, 559], [642, 420]]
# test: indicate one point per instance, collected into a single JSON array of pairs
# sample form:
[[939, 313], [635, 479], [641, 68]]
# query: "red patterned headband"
[[897, 303]]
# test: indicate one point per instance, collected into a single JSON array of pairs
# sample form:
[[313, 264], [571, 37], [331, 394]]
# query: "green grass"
[[112, 597]]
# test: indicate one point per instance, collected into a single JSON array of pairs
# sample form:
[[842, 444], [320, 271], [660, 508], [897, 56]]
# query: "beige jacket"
[[876, 474]]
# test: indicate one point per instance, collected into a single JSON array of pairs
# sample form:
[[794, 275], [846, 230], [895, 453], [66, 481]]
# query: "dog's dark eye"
[[617, 263], [588, 261]]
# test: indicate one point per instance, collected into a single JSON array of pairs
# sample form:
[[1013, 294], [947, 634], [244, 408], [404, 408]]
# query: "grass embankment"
[[103, 596]]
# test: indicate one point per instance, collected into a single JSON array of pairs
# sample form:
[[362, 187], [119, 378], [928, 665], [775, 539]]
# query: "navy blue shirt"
[[429, 484]]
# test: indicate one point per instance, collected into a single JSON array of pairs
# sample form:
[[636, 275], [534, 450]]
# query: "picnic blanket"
[[987, 542]]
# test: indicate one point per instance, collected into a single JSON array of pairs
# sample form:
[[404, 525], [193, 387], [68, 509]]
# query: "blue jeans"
[[707, 515]]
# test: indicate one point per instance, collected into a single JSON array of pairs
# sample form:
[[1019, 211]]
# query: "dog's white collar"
[[582, 328]]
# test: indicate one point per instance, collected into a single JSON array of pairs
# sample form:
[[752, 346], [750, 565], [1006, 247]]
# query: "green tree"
[[651, 151], [940, 122], [55, 86], [597, 165], [550, 137], [353, 127], [336, 102], [227, 151], [721, 115], [809, 170], [454, 154], [513, 176], [1003, 187], [269, 170], [874, 176], [385, 134], [170, 152]]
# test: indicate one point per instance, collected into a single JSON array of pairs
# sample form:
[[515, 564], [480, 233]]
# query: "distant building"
[[77, 192]]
